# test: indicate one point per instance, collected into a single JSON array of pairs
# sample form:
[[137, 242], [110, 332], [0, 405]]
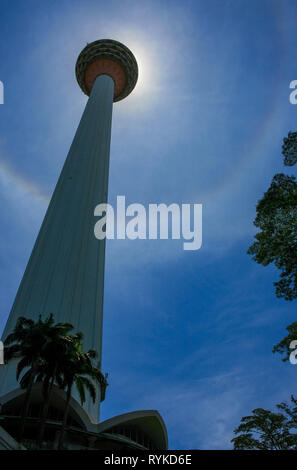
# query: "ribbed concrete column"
[[65, 273]]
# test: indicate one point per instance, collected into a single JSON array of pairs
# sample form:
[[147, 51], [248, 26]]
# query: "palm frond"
[[24, 362]]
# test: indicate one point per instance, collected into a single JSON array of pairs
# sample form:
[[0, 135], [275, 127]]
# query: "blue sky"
[[187, 333]]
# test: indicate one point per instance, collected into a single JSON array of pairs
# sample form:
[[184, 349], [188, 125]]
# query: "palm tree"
[[51, 373], [28, 342], [79, 370]]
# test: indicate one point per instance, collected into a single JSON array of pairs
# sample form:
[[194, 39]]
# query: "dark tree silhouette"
[[265, 430], [277, 220]]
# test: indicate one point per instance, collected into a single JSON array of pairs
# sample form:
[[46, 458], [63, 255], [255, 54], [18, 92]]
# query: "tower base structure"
[[137, 430]]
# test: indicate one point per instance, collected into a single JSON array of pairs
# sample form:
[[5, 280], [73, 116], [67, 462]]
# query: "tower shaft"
[[65, 272]]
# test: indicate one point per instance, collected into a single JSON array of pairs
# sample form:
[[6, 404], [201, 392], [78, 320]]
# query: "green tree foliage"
[[289, 149], [79, 371], [31, 342], [277, 220], [276, 243], [265, 430], [48, 354], [283, 347], [51, 372]]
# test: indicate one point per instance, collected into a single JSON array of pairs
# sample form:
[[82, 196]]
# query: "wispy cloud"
[[13, 181]]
